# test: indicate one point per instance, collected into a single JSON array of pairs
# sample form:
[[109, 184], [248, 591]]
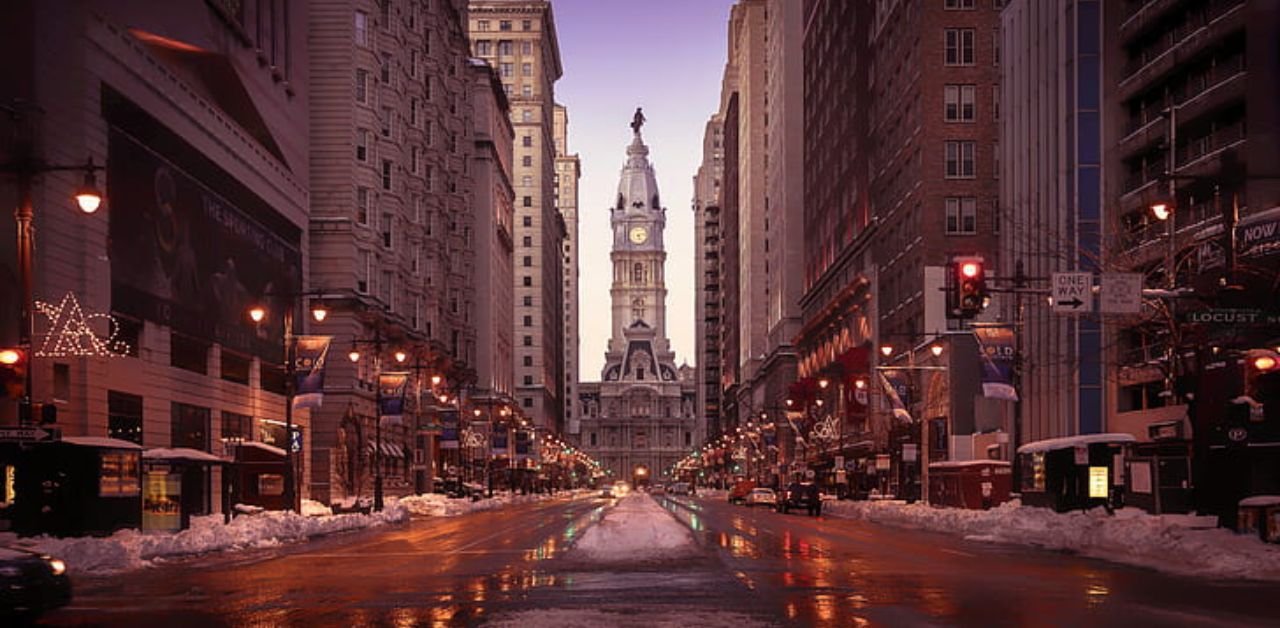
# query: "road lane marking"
[[957, 552]]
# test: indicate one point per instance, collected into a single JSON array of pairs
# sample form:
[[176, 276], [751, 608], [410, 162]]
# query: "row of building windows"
[[504, 25]]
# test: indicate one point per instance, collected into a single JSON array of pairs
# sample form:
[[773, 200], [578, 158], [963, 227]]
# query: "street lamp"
[[88, 198], [355, 356], [257, 314]]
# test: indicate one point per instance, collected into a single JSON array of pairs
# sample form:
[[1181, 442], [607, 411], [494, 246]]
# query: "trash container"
[[1260, 515], [975, 484]]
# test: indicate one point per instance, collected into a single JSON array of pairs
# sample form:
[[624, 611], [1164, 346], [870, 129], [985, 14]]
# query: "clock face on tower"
[[638, 235]]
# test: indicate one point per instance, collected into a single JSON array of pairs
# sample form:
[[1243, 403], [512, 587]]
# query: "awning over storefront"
[[182, 454], [272, 449], [101, 442]]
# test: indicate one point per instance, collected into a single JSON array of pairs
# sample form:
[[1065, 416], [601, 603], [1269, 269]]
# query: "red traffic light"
[[970, 269], [1264, 363], [13, 372]]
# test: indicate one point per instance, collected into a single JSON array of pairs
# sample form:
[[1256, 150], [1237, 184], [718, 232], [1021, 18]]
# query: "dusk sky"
[[668, 57]]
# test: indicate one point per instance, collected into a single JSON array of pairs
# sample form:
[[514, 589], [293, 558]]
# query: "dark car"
[[801, 495], [31, 583]]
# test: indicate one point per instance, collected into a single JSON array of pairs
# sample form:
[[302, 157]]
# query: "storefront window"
[[270, 484], [124, 416], [119, 475]]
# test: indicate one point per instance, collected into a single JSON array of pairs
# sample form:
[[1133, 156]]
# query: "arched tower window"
[[637, 309], [637, 273]]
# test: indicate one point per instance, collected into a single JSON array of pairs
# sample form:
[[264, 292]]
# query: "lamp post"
[[354, 355], [88, 198], [257, 314], [936, 349]]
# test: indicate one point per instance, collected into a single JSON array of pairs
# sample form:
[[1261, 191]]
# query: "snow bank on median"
[[1172, 543], [132, 549], [636, 529]]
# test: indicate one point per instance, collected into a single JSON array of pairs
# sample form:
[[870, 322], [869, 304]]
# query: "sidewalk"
[[132, 549], [1179, 544]]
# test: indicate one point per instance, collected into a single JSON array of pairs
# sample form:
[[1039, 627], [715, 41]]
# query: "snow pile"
[[1172, 543], [131, 549], [635, 529], [313, 508], [437, 505]]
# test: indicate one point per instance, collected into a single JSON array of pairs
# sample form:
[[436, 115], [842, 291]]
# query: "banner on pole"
[[522, 444], [499, 443], [995, 349], [897, 390], [391, 388], [449, 429], [309, 356]]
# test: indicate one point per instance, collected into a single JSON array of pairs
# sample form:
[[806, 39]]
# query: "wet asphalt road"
[[509, 568]]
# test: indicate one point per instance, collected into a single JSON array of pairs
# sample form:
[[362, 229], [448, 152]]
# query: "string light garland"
[[71, 333]]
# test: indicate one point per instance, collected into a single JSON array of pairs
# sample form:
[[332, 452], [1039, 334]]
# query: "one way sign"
[[1072, 293]]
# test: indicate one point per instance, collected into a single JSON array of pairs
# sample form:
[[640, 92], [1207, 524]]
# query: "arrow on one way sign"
[[1072, 292]]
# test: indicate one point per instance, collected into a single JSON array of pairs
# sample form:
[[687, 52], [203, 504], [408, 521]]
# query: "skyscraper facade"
[[568, 171], [392, 228], [518, 38]]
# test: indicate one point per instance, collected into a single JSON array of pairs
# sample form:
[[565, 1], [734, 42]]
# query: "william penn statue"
[[637, 121]]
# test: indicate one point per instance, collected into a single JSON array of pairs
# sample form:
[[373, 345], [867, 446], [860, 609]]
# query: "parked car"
[[738, 494], [679, 488], [657, 489], [762, 496], [31, 583], [801, 495]]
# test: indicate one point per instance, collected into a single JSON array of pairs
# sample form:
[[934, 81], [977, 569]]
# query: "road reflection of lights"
[[824, 606], [1096, 595], [857, 601], [477, 589], [403, 618], [440, 616], [792, 611], [745, 580], [695, 522]]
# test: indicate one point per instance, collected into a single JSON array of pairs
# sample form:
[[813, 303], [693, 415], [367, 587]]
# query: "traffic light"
[[13, 372], [967, 289]]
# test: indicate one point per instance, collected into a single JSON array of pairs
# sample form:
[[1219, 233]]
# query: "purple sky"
[[666, 56]]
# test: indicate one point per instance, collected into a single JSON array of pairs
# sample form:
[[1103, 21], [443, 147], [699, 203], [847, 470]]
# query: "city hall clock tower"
[[639, 420]]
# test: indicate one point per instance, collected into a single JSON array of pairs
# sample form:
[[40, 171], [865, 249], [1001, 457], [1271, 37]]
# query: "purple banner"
[[897, 389], [995, 349], [449, 429], [499, 443], [522, 444], [309, 356], [391, 387]]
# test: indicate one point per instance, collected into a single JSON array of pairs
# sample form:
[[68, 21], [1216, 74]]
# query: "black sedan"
[[31, 583]]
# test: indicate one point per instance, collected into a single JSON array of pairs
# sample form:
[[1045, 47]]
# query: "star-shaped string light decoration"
[[71, 332]]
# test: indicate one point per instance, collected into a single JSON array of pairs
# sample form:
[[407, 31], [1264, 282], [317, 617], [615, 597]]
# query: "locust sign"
[[1072, 293]]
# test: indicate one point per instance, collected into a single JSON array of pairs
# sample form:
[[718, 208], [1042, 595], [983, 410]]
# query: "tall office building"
[[494, 217], [708, 302], [1050, 202], [392, 229], [518, 38], [196, 120], [1192, 93], [568, 171], [783, 211], [748, 60]]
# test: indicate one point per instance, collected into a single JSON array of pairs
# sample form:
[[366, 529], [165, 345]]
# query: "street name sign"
[[1120, 293], [1072, 293], [9, 434]]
